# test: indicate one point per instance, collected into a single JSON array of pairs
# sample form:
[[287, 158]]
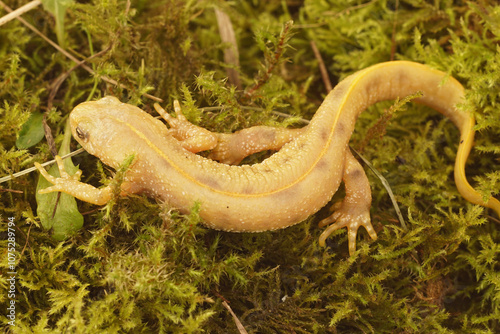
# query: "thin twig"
[[31, 169], [57, 83], [48, 136], [393, 37], [27, 241], [322, 67], [20, 11], [2, 190]]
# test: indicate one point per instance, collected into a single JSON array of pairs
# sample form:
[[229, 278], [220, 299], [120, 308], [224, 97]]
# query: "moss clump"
[[138, 266]]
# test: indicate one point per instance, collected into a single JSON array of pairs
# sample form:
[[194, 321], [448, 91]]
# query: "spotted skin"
[[285, 188]]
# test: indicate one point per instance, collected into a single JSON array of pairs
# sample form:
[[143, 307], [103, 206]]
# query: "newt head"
[[106, 128]]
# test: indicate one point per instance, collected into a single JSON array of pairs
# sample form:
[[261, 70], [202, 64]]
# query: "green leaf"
[[32, 131], [58, 212], [58, 9]]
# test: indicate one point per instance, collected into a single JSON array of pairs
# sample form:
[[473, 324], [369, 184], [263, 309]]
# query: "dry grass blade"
[[322, 67], [231, 54], [237, 321], [387, 187]]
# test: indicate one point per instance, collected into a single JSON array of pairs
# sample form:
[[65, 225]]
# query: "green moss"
[[139, 266]]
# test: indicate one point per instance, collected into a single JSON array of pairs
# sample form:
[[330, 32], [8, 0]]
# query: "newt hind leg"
[[354, 210]]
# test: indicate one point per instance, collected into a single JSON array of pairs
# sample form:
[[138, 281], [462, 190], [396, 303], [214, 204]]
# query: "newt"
[[284, 189]]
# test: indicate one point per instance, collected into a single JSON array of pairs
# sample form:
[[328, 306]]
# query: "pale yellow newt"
[[285, 188]]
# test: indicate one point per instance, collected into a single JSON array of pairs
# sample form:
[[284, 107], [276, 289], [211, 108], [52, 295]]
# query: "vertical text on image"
[[11, 280]]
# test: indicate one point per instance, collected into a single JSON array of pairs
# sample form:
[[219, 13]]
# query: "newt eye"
[[81, 134]]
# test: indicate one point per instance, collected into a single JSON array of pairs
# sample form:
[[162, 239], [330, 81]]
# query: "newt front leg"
[[192, 137], [227, 148], [70, 184]]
